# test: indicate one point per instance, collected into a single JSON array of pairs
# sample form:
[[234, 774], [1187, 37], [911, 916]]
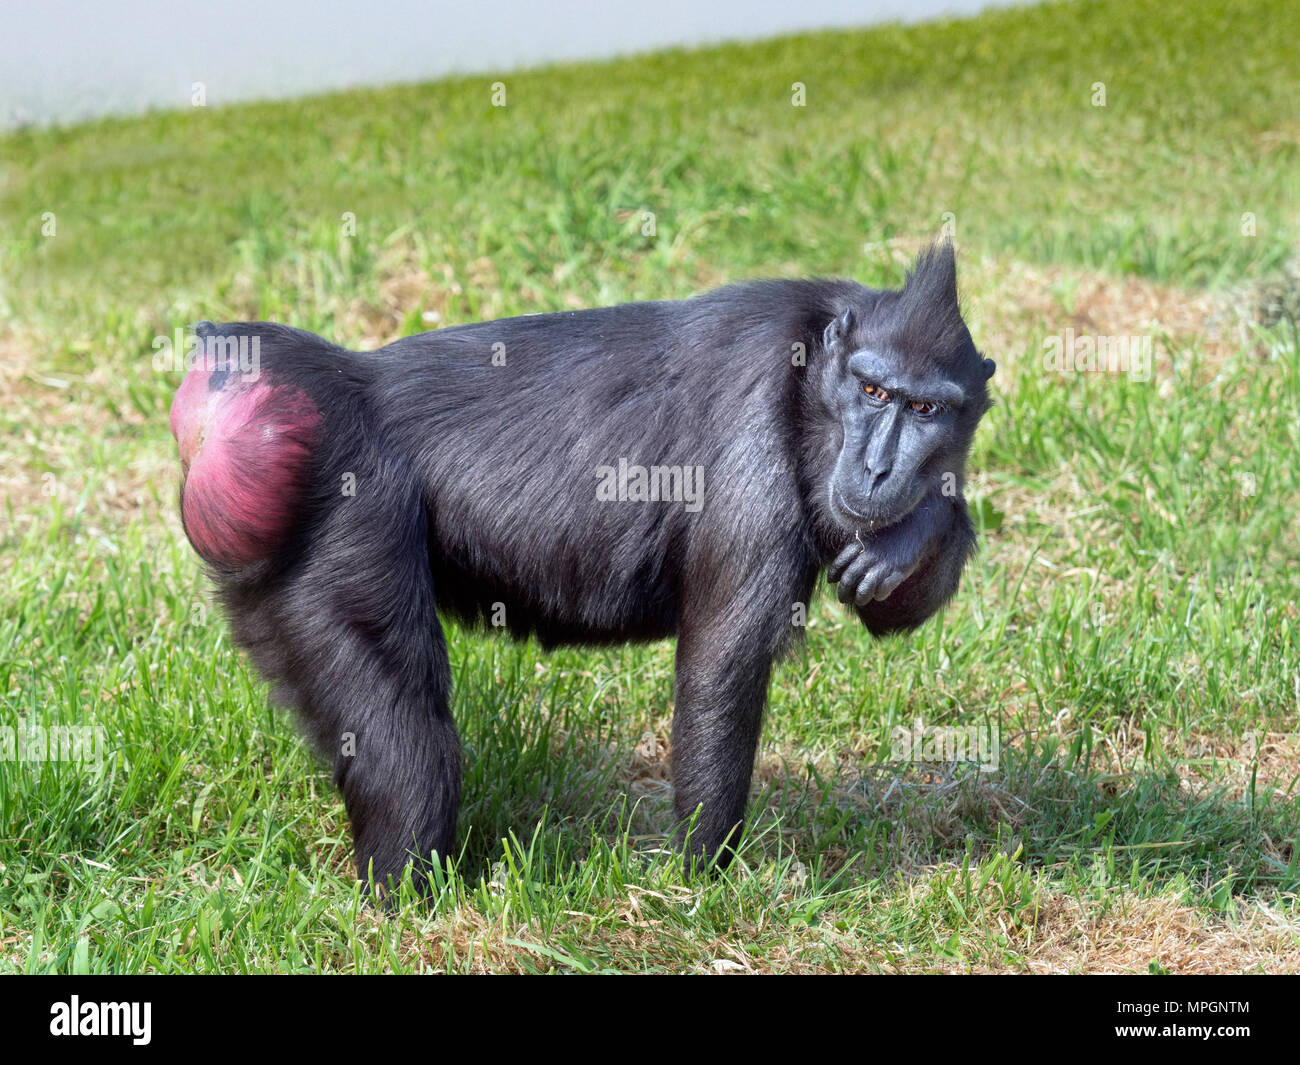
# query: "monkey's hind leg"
[[353, 642]]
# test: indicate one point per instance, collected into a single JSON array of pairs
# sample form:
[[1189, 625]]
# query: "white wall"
[[64, 60]]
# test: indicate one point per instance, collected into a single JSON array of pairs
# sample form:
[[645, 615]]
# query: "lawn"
[[1129, 628]]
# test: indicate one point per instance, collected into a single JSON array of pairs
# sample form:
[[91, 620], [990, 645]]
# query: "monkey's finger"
[[866, 591], [844, 590], [835, 571], [854, 570], [890, 584], [851, 578], [852, 575]]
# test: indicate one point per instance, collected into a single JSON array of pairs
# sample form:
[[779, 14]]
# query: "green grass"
[[1130, 623]]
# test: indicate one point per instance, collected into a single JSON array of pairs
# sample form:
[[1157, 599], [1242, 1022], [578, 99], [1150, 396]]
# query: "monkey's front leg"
[[722, 676]]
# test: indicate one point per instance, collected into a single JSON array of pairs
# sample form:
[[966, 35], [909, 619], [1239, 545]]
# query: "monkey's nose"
[[872, 478]]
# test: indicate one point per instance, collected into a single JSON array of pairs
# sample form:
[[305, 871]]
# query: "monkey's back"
[[539, 439]]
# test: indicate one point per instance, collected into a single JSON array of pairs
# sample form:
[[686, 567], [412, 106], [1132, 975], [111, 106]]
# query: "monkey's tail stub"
[[246, 443]]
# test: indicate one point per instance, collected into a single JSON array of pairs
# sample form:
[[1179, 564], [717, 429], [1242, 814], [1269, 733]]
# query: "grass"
[[1130, 624]]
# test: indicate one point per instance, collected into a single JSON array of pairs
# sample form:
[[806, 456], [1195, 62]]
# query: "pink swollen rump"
[[246, 451]]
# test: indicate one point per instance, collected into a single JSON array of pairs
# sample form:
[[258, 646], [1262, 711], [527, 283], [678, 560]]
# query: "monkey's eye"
[[922, 407], [876, 392]]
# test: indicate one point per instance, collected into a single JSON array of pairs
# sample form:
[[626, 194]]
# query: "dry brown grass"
[[1272, 759], [1131, 933], [1019, 304], [51, 453], [1059, 935]]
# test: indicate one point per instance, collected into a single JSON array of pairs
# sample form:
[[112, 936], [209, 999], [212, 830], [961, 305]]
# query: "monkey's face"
[[907, 387], [904, 435]]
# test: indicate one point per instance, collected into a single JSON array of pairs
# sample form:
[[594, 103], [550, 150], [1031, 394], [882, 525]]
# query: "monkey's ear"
[[837, 330], [989, 367]]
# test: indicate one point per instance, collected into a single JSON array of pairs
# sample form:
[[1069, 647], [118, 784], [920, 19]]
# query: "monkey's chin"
[[871, 521]]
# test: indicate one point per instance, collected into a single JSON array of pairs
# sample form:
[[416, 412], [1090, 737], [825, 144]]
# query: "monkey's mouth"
[[841, 506], [870, 522]]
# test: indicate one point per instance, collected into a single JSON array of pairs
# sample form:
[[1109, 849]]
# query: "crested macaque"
[[346, 502]]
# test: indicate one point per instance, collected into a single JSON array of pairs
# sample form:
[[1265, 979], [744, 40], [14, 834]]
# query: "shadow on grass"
[[528, 777], [1059, 812]]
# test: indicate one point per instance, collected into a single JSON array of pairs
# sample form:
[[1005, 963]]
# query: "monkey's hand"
[[874, 564]]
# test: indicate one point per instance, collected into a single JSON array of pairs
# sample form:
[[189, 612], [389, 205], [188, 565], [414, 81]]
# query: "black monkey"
[[629, 473]]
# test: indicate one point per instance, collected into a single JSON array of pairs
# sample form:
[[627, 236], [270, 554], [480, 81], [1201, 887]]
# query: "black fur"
[[476, 485]]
